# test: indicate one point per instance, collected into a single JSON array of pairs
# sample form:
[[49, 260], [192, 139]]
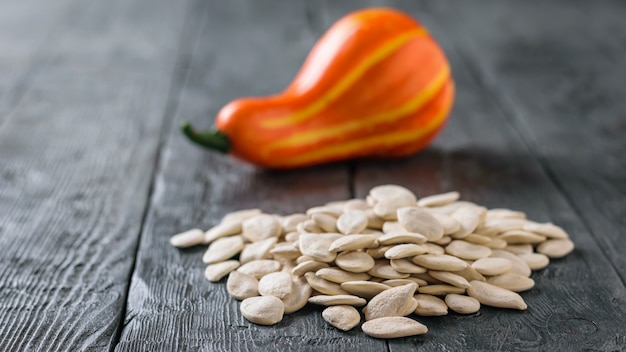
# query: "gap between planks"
[[189, 37]]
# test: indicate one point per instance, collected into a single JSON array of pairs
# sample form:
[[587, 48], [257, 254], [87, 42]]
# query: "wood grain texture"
[[76, 159], [484, 157], [244, 48], [95, 176], [25, 28]]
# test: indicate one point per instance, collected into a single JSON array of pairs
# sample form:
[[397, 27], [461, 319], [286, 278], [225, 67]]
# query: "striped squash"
[[375, 85]]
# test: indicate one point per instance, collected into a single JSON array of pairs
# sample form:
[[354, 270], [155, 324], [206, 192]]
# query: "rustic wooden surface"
[[95, 176]]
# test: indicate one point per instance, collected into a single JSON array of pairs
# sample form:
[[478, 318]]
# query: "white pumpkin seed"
[[215, 272], [441, 262], [430, 306], [263, 310], [406, 266], [556, 248], [450, 278], [308, 266], [438, 199], [440, 289], [352, 222], [405, 250], [389, 302], [335, 300], [257, 250], [260, 227], [519, 266], [241, 286], [324, 286], [393, 327], [356, 262], [223, 248], [343, 317], [547, 229], [466, 250], [511, 281], [365, 289], [535, 261], [317, 246], [298, 298], [418, 220], [495, 296], [384, 270], [188, 238], [339, 276], [462, 304], [352, 242], [492, 266], [260, 268], [276, 284]]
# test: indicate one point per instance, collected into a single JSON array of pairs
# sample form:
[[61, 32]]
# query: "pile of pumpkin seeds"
[[392, 254]]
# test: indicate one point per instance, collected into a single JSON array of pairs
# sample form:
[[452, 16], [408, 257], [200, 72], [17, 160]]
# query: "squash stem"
[[213, 139]]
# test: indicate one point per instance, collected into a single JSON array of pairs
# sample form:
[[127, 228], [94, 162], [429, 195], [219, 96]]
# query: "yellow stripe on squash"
[[329, 132], [394, 138], [345, 83]]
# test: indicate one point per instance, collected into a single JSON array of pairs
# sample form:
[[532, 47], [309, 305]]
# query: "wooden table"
[[95, 176]]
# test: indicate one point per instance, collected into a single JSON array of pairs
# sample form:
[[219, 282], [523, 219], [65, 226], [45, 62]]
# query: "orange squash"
[[375, 85]]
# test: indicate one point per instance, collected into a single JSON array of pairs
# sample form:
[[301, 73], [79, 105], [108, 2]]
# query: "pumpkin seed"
[[263, 310], [326, 222], [215, 272], [418, 220], [406, 266], [405, 250], [365, 289], [188, 238], [467, 250], [535, 261], [257, 250], [547, 229], [356, 262], [389, 302], [492, 266], [223, 248], [260, 227], [276, 284], [241, 286], [339, 276], [352, 242], [556, 248], [495, 296], [438, 199], [442, 262], [393, 327], [317, 246], [511, 281], [307, 266], [260, 268], [429, 305], [299, 295], [352, 222], [462, 304], [343, 317], [324, 286], [326, 300]]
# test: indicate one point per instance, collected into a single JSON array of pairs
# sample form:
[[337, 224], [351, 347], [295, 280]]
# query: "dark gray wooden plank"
[[25, 26], [76, 159], [245, 48], [577, 303]]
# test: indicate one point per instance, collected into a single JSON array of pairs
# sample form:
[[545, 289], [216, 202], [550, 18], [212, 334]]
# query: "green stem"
[[215, 140]]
